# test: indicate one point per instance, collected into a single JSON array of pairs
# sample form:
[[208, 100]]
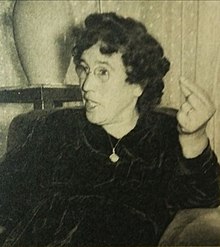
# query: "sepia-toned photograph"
[[109, 123]]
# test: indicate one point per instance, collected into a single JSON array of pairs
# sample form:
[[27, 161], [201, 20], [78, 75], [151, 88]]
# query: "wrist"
[[193, 144]]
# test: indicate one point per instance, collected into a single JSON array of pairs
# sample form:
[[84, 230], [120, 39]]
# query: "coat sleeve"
[[18, 179], [26, 172], [194, 183]]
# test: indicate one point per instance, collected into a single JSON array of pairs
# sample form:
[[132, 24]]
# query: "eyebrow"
[[99, 62], [106, 63]]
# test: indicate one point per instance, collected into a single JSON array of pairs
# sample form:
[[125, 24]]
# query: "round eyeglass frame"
[[84, 71]]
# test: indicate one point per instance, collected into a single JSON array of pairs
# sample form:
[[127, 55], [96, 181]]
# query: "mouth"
[[90, 105]]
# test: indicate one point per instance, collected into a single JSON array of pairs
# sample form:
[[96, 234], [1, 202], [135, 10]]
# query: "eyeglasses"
[[100, 72]]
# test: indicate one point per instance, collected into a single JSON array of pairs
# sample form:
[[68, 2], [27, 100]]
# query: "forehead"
[[93, 56]]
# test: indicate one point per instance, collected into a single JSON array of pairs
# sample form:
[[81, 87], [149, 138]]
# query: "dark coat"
[[60, 187]]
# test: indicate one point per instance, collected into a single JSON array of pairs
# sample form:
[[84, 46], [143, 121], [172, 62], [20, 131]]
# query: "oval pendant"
[[114, 157]]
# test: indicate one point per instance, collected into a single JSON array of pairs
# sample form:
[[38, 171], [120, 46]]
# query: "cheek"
[[115, 95], [111, 100]]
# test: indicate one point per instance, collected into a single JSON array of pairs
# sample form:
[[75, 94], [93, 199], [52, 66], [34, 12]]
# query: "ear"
[[138, 90]]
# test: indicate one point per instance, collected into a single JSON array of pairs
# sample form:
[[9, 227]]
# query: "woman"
[[117, 171]]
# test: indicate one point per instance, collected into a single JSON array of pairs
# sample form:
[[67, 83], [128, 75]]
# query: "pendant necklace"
[[114, 156]]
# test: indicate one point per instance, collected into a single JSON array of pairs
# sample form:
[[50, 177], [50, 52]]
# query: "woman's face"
[[107, 96]]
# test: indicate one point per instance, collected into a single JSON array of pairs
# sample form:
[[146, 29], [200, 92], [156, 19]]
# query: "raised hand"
[[197, 109], [193, 116]]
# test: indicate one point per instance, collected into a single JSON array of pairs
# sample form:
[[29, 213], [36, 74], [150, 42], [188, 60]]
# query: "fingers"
[[182, 123], [186, 92], [186, 107], [197, 108], [196, 96], [194, 101], [189, 88]]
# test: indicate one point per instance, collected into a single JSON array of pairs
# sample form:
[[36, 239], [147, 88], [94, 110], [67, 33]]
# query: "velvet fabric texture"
[[60, 188]]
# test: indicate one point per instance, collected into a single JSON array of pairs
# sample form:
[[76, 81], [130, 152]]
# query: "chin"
[[94, 118]]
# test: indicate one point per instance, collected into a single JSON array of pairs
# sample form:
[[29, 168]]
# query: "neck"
[[124, 126]]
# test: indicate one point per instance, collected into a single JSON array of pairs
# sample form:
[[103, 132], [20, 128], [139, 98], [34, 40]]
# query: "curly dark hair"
[[142, 55]]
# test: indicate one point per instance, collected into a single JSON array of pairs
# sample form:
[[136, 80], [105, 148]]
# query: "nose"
[[89, 83]]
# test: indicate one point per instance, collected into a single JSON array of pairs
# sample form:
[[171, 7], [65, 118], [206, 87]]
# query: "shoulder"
[[37, 126], [162, 118], [65, 117], [162, 124]]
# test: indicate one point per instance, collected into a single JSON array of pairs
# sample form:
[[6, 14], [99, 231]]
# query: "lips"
[[90, 104]]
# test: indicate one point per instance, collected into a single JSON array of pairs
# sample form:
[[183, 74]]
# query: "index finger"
[[196, 90], [186, 92]]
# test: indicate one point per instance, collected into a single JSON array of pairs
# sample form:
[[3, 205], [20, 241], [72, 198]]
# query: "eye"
[[102, 73]]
